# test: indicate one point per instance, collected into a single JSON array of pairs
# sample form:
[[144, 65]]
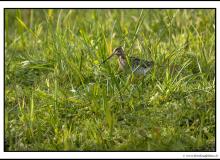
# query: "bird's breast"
[[122, 63]]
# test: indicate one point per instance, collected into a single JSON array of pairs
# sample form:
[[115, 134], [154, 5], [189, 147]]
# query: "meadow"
[[59, 98]]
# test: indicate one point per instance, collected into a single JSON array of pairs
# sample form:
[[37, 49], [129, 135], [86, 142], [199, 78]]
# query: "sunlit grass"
[[58, 97]]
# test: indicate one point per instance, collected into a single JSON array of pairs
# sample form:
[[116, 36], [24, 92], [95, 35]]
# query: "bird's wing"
[[136, 62]]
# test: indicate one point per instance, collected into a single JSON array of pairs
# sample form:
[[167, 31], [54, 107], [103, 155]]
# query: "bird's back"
[[140, 66]]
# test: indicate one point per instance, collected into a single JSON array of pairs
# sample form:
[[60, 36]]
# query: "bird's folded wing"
[[136, 62]]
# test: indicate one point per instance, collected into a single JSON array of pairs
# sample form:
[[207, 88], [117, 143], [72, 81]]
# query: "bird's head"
[[117, 51]]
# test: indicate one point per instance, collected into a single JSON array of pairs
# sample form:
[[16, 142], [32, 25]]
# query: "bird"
[[136, 65]]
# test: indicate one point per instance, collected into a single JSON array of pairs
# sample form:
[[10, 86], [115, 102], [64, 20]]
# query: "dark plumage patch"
[[141, 63]]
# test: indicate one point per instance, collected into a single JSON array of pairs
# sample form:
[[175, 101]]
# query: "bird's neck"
[[122, 61]]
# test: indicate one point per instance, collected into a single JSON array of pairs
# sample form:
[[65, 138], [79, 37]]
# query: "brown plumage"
[[136, 65]]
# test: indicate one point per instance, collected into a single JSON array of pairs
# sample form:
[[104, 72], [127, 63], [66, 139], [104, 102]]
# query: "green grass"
[[58, 98]]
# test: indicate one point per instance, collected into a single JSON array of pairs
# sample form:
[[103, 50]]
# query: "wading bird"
[[136, 65]]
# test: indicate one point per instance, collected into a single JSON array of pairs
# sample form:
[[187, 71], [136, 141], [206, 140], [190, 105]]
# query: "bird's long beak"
[[108, 58]]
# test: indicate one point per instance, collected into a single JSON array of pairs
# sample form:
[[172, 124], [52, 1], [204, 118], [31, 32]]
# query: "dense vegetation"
[[58, 97]]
